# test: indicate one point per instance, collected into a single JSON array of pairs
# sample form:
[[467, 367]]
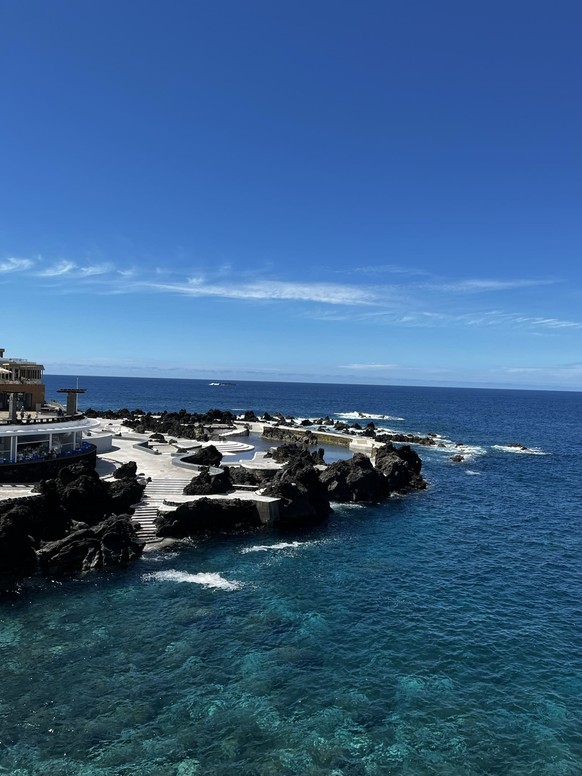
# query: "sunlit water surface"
[[438, 633]]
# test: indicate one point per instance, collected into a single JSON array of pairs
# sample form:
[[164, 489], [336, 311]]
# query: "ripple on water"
[[432, 635]]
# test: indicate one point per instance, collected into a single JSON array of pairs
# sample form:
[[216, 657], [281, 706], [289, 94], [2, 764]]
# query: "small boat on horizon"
[[225, 383]]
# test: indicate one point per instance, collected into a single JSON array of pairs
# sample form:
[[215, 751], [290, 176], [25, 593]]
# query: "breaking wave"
[[366, 416], [522, 450], [279, 546], [207, 579]]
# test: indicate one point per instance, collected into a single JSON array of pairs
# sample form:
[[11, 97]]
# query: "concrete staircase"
[[153, 497]]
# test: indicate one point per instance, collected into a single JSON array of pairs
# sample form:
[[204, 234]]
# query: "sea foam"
[[520, 450], [207, 579], [279, 546], [366, 416]]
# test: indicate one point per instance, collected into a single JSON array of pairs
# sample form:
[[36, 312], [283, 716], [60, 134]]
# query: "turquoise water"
[[435, 634]]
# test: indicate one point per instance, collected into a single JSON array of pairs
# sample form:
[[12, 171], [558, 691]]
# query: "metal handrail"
[[40, 421]]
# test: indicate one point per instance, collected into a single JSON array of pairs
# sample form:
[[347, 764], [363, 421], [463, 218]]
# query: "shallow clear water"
[[435, 634]]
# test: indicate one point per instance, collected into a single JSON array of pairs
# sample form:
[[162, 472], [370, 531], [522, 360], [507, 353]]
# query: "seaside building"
[[23, 380], [37, 439]]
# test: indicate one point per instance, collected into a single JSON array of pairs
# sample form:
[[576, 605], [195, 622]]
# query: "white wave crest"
[[467, 451], [279, 546], [471, 473], [207, 579], [520, 450], [365, 416]]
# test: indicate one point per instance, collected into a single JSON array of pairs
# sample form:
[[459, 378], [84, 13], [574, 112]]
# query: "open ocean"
[[435, 634]]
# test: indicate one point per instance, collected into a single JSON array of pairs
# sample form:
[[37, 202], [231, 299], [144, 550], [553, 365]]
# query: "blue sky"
[[374, 192]]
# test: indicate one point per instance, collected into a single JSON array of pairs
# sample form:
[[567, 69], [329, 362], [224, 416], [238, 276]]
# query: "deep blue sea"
[[439, 633]]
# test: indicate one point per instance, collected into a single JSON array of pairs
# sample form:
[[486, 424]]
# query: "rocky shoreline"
[[78, 522], [207, 426], [73, 523]]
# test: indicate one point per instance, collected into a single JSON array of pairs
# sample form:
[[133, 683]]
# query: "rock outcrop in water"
[[75, 522], [304, 491], [358, 479], [292, 451], [355, 479], [304, 498], [205, 517], [401, 466]]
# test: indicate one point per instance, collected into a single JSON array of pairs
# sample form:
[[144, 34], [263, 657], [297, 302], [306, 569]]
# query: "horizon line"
[[444, 386]]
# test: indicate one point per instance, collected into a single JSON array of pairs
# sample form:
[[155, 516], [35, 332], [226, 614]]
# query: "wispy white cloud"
[[15, 265], [410, 302], [390, 269], [94, 270], [488, 318], [475, 286], [516, 320], [57, 270], [273, 290]]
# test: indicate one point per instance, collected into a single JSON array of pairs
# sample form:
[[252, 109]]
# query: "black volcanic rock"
[[86, 498], [119, 542], [205, 517], [205, 456], [293, 451], [241, 476], [283, 434], [43, 516], [125, 494], [125, 470], [113, 542], [401, 466], [355, 479], [71, 521], [17, 555], [413, 439], [180, 424], [206, 484], [303, 497], [76, 552]]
